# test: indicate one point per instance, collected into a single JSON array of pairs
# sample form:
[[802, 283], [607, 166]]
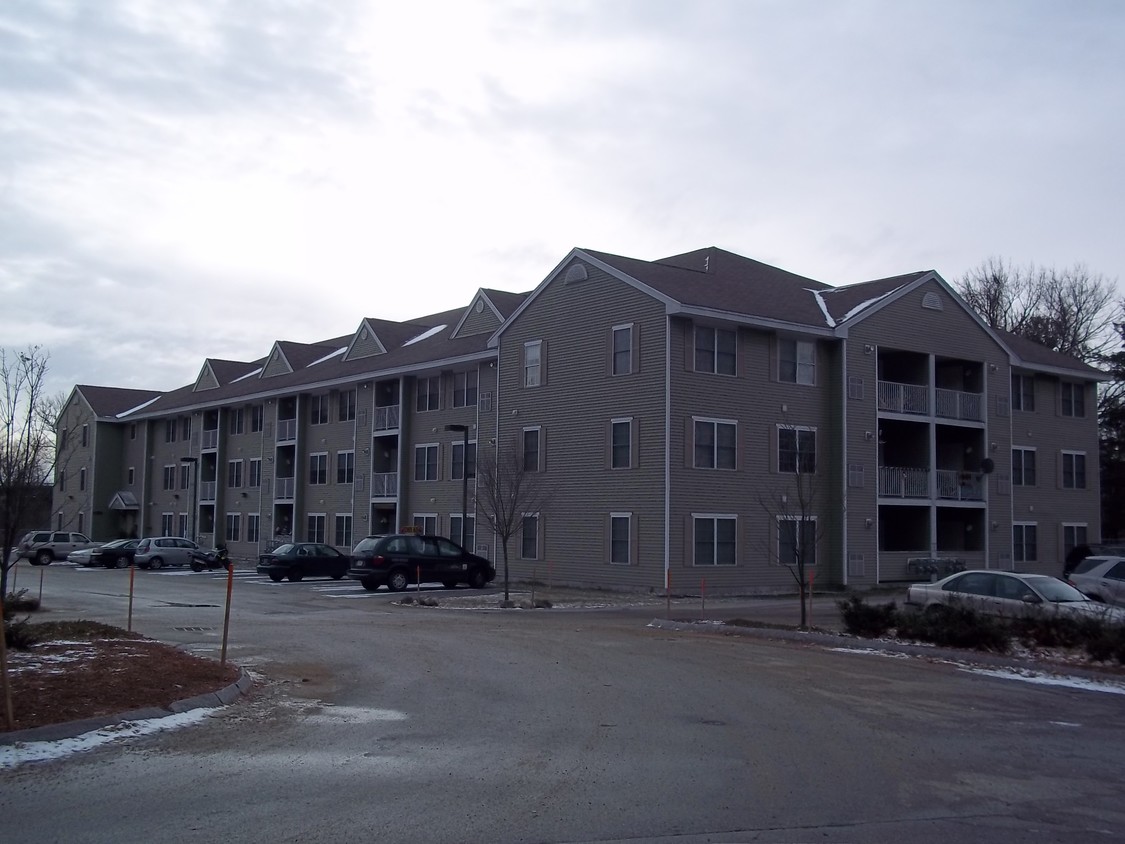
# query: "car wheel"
[[44, 558], [477, 580], [449, 584], [295, 575], [156, 562], [338, 575], [275, 576], [369, 584], [398, 581], [197, 567], [121, 561]]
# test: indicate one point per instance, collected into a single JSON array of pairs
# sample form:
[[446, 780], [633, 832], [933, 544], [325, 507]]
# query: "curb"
[[72, 729]]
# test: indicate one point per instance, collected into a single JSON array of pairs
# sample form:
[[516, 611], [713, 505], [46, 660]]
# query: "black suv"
[[400, 559]]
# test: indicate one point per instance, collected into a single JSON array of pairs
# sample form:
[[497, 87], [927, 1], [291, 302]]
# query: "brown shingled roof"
[[110, 401]]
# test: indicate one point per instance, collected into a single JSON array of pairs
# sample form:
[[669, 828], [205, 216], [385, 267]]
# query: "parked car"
[[116, 554], [43, 547], [159, 551], [297, 560], [1011, 594], [398, 560], [1101, 578], [80, 557]]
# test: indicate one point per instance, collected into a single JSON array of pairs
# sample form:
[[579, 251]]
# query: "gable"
[[481, 317], [365, 343], [276, 364], [207, 379]]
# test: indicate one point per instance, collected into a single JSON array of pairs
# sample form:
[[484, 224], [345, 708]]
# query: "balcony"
[[384, 484], [904, 398], [207, 490], [953, 404], [286, 489], [954, 485], [210, 438], [286, 430], [386, 418], [904, 482]]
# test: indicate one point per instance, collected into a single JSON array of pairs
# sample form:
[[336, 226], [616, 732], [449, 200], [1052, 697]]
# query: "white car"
[[1010, 594], [1100, 578], [80, 558]]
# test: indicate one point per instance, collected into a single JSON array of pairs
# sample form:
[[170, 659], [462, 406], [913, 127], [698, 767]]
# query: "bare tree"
[[791, 506], [509, 492], [28, 455]]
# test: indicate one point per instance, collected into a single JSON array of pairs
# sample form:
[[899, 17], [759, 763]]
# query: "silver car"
[[42, 547], [1010, 594], [155, 552], [1100, 578]]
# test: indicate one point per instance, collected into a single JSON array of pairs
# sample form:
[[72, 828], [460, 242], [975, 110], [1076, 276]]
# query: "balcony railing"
[[900, 482], [959, 486], [207, 490], [211, 438], [386, 418], [384, 484], [953, 404], [904, 398], [286, 430], [285, 489]]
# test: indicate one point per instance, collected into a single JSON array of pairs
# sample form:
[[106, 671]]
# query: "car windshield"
[[1053, 589], [282, 550], [1088, 564], [366, 544]]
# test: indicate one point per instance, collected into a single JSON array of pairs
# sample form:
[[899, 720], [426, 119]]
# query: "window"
[[234, 527], [185, 475], [458, 470], [1074, 469], [714, 540], [796, 450], [715, 443], [318, 472], [82, 480], [855, 475], [169, 431], [185, 428], [621, 444], [796, 361], [425, 523], [346, 407], [167, 523], [429, 393], [236, 420], [254, 478], [465, 540], [257, 416], [345, 467], [343, 530], [1023, 392], [85, 435], [1073, 536], [318, 411], [132, 433], [1025, 545], [81, 522], [796, 539], [529, 537], [426, 462], [62, 479], [465, 388], [1073, 399], [531, 449], [533, 363], [169, 478], [253, 527], [1023, 467], [234, 474], [183, 525], [620, 532], [132, 476], [622, 350], [316, 524], [715, 350]]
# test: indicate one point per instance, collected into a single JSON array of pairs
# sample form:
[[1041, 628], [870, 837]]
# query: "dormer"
[[207, 379], [276, 363], [481, 317], [365, 343]]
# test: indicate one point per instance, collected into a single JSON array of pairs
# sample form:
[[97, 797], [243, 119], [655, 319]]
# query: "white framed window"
[[1023, 392], [531, 456], [716, 443], [169, 431], [622, 351], [621, 443], [1025, 542], [234, 527], [796, 536], [345, 409], [169, 478], [796, 361], [316, 527], [796, 449], [1073, 398], [462, 463], [1023, 466], [167, 524], [714, 539], [533, 363], [318, 410], [1074, 534], [529, 537], [257, 417], [182, 518], [1074, 469], [425, 523], [185, 428], [253, 527], [716, 350], [234, 474], [185, 475], [236, 419], [254, 479], [318, 469], [343, 530], [465, 388], [345, 467], [86, 435], [426, 462], [620, 539], [465, 540], [428, 394], [81, 521]]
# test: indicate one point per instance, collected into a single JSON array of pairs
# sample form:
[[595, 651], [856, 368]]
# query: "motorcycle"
[[216, 558]]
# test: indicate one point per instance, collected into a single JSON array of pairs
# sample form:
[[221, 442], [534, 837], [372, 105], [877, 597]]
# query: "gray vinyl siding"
[[573, 408], [206, 380], [366, 344], [483, 323], [276, 365]]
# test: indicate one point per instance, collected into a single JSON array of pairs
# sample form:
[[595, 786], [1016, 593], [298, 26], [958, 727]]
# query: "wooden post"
[[9, 715], [226, 616], [132, 571]]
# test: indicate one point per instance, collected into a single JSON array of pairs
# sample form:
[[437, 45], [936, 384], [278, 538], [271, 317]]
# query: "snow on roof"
[[329, 356], [247, 375], [425, 334], [866, 304], [138, 407], [823, 308]]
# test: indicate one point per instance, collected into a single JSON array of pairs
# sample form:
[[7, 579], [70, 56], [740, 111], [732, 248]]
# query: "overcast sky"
[[193, 179]]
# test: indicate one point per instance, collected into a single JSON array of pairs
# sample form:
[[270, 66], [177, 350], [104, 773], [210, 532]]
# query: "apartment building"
[[699, 418]]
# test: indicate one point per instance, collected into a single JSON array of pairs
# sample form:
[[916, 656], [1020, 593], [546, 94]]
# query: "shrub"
[[20, 634], [1106, 642], [955, 626], [15, 602], [867, 620], [1055, 631]]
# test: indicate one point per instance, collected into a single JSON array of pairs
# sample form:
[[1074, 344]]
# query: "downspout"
[[667, 446], [844, 460]]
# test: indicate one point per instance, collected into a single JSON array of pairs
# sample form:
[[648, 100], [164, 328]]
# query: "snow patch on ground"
[[353, 715], [1028, 676]]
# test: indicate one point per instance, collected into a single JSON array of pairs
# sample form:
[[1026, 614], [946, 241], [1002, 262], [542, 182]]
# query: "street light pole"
[[464, 429], [193, 462]]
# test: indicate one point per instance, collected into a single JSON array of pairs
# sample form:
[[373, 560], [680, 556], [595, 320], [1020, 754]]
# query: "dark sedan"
[[398, 560], [297, 560], [116, 554]]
